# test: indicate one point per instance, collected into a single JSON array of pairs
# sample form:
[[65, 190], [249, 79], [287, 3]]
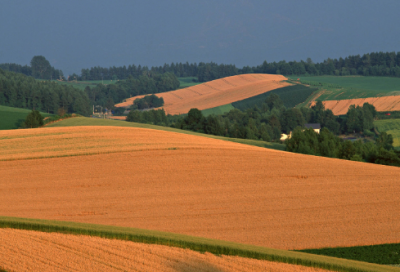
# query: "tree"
[[33, 120], [41, 67]]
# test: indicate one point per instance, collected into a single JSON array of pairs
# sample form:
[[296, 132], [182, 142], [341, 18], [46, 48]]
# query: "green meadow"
[[12, 118], [350, 87], [392, 127]]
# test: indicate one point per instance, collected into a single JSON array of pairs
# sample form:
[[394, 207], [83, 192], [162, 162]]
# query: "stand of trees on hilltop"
[[40, 68], [21, 91], [150, 83], [370, 64]]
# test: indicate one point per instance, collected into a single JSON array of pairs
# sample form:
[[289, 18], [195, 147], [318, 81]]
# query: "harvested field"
[[384, 103], [198, 186], [118, 118], [23, 250], [216, 93]]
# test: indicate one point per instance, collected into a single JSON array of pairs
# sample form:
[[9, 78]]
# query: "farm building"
[[315, 126]]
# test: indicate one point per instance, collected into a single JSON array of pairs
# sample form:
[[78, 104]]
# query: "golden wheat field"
[[39, 251], [384, 103], [216, 93], [198, 186]]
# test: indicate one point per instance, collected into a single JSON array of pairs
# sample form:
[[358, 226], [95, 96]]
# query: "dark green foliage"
[[33, 120], [149, 101], [18, 90], [379, 254], [290, 96], [155, 117]]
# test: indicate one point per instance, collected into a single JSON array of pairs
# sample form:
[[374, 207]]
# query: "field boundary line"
[[194, 243]]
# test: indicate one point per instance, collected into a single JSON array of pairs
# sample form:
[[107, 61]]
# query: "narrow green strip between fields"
[[193, 243]]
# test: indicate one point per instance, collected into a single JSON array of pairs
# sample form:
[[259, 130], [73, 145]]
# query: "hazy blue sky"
[[81, 34]]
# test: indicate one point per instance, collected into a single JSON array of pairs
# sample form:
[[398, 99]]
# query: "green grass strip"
[[193, 243], [379, 254]]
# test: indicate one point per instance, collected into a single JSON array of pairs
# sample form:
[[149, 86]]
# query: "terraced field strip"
[[217, 92], [78, 252], [84, 121], [198, 186], [384, 103]]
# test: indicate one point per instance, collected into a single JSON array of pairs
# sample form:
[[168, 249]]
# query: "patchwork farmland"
[[216, 93], [197, 186], [384, 103]]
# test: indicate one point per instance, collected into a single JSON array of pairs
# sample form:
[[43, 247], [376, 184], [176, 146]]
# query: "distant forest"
[[370, 64]]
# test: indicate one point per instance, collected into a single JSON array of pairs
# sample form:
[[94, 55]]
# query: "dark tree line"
[[21, 91], [150, 83], [270, 120], [326, 144], [40, 68], [370, 64]]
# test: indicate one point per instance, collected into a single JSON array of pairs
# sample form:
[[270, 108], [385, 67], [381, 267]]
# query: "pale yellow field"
[[39, 251], [197, 186], [216, 93]]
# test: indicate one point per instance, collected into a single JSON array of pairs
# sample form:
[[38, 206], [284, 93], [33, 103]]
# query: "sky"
[[81, 34]]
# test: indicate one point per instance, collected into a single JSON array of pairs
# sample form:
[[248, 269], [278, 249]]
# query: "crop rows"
[[72, 252], [216, 93]]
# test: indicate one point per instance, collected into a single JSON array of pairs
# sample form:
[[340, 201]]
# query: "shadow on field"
[[195, 264]]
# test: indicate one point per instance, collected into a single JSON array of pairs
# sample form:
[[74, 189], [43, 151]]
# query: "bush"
[[33, 120]]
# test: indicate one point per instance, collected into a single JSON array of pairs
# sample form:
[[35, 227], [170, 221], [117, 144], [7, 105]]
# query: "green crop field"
[[349, 87], [187, 82], [392, 127], [290, 95], [12, 118], [218, 110], [379, 254], [193, 243], [84, 121]]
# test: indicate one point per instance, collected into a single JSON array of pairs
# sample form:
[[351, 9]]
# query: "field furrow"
[[197, 186], [217, 92], [23, 250]]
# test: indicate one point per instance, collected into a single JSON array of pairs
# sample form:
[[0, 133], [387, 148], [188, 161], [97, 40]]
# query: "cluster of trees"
[[147, 102], [150, 83], [370, 64], [40, 68], [21, 91], [328, 145], [269, 121]]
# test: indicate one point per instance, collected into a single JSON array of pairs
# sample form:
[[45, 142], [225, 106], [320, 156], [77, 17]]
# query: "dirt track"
[[39, 251], [384, 103], [203, 187], [216, 93]]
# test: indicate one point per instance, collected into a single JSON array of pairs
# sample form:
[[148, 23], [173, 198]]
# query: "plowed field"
[[384, 103], [39, 251], [216, 93], [198, 186]]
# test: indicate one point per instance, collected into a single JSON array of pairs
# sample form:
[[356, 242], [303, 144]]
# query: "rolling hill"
[[158, 180], [217, 92]]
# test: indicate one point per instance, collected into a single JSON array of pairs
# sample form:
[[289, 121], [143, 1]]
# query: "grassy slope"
[[11, 118], [390, 126], [84, 121], [379, 254], [187, 82], [191, 242], [290, 96], [349, 87], [218, 110]]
